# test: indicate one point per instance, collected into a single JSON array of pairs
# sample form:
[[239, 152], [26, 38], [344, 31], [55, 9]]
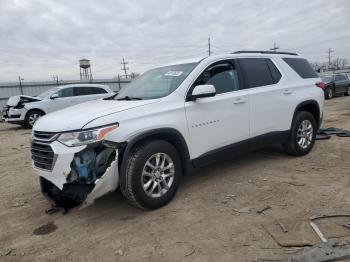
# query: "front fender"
[[171, 134]]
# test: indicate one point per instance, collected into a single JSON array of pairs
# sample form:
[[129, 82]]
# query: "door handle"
[[239, 100], [287, 91]]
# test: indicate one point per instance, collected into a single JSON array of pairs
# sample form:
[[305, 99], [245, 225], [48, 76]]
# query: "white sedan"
[[26, 110]]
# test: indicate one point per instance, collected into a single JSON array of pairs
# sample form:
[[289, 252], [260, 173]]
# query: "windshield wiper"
[[111, 97], [129, 98]]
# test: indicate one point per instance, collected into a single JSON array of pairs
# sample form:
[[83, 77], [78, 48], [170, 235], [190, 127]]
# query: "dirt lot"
[[200, 224]]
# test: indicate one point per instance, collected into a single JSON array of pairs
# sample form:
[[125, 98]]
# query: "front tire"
[[152, 175], [31, 117], [302, 135]]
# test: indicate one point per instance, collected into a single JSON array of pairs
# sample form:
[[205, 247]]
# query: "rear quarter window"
[[302, 67]]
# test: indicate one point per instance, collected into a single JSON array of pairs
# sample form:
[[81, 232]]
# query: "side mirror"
[[54, 96], [202, 91]]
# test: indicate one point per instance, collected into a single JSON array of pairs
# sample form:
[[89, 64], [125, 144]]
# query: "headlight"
[[85, 137]]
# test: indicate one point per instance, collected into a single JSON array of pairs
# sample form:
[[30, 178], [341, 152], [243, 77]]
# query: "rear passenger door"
[[270, 102], [341, 84]]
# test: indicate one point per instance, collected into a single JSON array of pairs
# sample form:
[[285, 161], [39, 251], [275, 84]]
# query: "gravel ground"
[[200, 224]]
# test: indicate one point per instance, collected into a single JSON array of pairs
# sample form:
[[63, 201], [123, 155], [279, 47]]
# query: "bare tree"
[[316, 66], [344, 62], [134, 75], [339, 63]]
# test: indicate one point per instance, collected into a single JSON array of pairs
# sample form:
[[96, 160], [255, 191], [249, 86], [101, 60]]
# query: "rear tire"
[[152, 174], [302, 135], [347, 93], [328, 93], [31, 117]]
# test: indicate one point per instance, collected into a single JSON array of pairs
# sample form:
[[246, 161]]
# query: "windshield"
[[326, 79], [156, 83], [48, 92]]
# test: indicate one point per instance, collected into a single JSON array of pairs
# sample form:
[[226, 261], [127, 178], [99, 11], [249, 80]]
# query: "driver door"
[[64, 99], [221, 120]]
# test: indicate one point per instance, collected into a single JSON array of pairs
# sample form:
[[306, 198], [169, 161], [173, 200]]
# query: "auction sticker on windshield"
[[173, 73]]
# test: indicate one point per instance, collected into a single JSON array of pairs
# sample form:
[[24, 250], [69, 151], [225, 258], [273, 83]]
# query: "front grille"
[[42, 155], [44, 136]]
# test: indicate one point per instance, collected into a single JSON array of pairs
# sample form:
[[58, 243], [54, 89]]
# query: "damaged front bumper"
[[70, 176], [13, 115]]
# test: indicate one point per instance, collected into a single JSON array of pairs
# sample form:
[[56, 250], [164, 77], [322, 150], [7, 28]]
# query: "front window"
[[222, 76], [66, 92], [156, 83], [48, 93]]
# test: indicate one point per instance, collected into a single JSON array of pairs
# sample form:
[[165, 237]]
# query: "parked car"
[[175, 118], [26, 110], [336, 84]]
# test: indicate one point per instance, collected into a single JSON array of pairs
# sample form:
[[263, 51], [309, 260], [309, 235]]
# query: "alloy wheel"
[[158, 175], [33, 118], [305, 134]]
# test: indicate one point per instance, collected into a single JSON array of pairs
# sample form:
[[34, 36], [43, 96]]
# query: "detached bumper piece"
[[5, 111], [71, 176]]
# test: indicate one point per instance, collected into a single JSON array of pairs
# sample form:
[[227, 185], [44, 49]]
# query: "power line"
[[124, 68], [321, 42]]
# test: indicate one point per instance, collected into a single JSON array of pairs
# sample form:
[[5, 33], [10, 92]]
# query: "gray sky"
[[39, 38]]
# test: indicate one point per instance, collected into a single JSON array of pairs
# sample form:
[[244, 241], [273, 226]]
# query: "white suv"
[[174, 118], [25, 110]]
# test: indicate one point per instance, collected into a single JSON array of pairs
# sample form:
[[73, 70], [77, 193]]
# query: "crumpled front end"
[[14, 111], [70, 176], [14, 115]]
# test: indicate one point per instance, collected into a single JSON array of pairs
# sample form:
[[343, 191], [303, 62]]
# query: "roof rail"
[[263, 52]]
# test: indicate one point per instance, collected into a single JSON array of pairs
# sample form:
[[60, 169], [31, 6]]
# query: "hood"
[[75, 117], [15, 100]]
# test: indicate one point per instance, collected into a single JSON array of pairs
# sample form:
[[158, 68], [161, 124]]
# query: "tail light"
[[321, 85]]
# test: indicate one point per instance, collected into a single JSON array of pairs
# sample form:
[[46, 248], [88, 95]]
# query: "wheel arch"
[[170, 135], [35, 109], [311, 106]]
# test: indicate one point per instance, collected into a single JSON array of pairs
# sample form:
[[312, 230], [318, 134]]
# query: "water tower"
[[85, 69]]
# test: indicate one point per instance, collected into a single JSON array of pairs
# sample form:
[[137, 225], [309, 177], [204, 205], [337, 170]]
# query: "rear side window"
[[88, 90], [257, 72], [339, 77], [98, 90], [301, 67]]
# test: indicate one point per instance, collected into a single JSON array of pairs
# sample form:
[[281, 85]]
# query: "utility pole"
[[20, 84], [275, 47], [209, 51], [329, 56], [124, 68], [118, 82]]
